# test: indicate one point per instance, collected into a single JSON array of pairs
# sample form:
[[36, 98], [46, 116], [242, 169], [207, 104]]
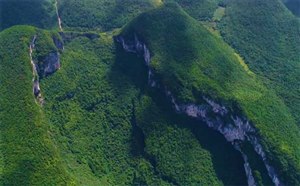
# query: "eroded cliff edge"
[[235, 128]]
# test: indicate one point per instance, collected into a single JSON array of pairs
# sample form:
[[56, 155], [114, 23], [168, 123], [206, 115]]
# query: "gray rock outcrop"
[[50, 64]]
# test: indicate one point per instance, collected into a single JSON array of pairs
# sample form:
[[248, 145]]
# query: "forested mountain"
[[149, 92]]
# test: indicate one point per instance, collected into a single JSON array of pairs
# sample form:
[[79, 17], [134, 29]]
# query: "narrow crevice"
[[58, 17]]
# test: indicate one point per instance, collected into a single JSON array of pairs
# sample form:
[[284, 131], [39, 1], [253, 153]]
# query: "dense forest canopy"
[[149, 92]]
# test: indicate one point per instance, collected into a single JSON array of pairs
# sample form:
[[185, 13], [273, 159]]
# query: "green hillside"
[[95, 127], [216, 103], [215, 71], [99, 108], [101, 15], [198, 9], [269, 43], [28, 156]]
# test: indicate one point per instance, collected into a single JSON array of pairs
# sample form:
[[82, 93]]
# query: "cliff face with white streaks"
[[236, 130], [49, 65]]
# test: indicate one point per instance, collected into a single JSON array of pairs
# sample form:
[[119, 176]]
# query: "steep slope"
[[266, 34], [39, 13], [28, 155], [195, 69]]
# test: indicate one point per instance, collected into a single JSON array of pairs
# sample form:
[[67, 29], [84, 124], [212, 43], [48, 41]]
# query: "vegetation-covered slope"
[[94, 127], [198, 9], [28, 155], [266, 34], [103, 15], [100, 111], [214, 71], [39, 13], [102, 124]]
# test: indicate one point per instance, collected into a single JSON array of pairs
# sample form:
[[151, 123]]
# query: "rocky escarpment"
[[141, 49], [47, 66], [235, 128], [35, 77], [50, 63]]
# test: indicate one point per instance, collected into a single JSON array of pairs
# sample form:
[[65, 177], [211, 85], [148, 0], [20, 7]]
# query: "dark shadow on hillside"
[[182, 45], [129, 69], [21, 175], [227, 161]]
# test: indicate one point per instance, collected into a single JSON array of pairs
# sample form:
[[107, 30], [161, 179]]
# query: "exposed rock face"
[[47, 66], [58, 43], [51, 64], [250, 178], [35, 77], [236, 129], [58, 17], [36, 88], [140, 49], [31, 47]]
